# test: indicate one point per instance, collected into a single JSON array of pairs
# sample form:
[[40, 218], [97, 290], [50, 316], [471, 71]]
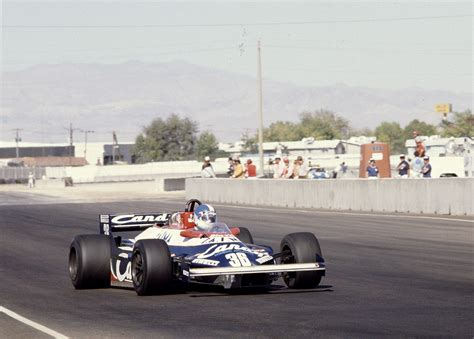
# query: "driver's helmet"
[[204, 215]]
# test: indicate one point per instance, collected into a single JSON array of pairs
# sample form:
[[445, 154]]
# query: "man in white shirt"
[[303, 170], [278, 168]]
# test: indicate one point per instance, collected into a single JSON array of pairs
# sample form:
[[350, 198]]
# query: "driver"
[[204, 216]]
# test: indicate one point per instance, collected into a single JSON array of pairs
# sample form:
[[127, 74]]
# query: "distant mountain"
[[44, 99]]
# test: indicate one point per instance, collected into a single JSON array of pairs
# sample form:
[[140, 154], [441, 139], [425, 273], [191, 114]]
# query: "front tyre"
[[151, 267], [89, 261], [302, 247]]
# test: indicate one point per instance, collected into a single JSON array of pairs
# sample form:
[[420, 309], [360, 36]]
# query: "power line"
[[373, 50], [254, 24]]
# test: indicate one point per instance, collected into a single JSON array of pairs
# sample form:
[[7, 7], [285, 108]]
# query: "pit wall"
[[451, 196]]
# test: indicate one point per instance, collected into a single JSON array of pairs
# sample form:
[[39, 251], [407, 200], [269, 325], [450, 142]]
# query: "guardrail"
[[431, 196]]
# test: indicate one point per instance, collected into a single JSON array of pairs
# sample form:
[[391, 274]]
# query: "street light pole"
[[260, 111]]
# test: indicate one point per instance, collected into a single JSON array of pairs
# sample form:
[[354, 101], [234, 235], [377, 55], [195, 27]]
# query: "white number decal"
[[238, 259]]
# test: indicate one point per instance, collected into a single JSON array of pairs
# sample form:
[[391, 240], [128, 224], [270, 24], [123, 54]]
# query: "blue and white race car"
[[172, 249]]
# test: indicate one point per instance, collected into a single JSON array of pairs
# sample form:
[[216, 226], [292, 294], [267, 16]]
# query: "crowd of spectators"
[[284, 168]]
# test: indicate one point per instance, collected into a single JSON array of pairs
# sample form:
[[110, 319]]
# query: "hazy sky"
[[374, 44]]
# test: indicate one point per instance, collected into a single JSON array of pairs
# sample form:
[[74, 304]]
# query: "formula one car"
[[172, 250]]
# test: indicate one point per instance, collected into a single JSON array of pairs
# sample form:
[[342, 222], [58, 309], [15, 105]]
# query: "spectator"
[[417, 165], [31, 180], [250, 170], [278, 168], [207, 171], [238, 170], [296, 170], [343, 168], [426, 170], [403, 167], [303, 168], [372, 170], [230, 170], [287, 169], [419, 144]]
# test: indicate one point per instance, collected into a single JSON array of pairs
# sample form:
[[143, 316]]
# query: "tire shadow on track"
[[207, 291]]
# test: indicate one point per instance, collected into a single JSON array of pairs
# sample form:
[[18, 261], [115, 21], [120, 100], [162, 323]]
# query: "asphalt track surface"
[[387, 276]]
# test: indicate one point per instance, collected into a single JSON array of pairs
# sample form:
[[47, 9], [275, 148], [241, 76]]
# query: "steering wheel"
[[191, 204]]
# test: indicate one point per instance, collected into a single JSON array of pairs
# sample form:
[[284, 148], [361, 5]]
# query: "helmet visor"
[[208, 216]]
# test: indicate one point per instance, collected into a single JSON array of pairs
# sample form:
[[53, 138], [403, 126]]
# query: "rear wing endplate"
[[131, 222]]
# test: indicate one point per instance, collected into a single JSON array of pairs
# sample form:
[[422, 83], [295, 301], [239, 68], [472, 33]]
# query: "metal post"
[[260, 111], [17, 140], [70, 140], [85, 142], [113, 147]]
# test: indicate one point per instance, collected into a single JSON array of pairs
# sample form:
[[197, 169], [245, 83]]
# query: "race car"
[[171, 249]]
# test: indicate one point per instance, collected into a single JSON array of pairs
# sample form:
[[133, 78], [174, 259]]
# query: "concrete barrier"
[[432, 196], [50, 183]]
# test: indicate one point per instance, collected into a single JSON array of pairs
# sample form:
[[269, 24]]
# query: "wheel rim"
[[137, 269], [289, 277], [73, 264]]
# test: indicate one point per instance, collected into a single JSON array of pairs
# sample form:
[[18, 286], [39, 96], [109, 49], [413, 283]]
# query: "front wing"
[[280, 268]]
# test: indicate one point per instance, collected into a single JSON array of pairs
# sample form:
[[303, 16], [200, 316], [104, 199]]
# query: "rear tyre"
[[245, 236], [151, 267], [302, 247], [89, 261]]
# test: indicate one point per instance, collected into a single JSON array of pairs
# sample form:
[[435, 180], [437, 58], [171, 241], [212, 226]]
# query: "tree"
[[282, 131], [421, 127], [357, 132], [392, 133], [250, 143], [207, 146], [323, 125], [462, 125], [166, 140]]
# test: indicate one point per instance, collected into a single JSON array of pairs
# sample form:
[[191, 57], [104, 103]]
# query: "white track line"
[[33, 324], [272, 208]]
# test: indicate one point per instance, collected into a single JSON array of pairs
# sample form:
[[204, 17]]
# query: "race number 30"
[[238, 259]]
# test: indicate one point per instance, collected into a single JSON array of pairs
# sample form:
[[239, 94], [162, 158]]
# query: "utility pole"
[[86, 132], [260, 111], [17, 140], [115, 146], [71, 141]]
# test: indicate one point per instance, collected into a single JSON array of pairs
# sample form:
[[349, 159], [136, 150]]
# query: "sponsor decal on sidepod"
[[132, 218]]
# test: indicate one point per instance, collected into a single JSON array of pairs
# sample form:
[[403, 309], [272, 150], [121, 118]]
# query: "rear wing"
[[131, 222]]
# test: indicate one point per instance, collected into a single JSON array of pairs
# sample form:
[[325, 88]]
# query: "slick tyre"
[[152, 270], [89, 261], [301, 247], [245, 236]]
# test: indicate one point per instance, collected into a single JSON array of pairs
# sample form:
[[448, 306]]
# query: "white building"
[[435, 146], [305, 147]]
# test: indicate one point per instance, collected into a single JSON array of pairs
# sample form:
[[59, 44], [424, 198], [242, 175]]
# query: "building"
[[435, 146], [353, 144], [100, 153], [8, 150], [305, 147], [96, 153]]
